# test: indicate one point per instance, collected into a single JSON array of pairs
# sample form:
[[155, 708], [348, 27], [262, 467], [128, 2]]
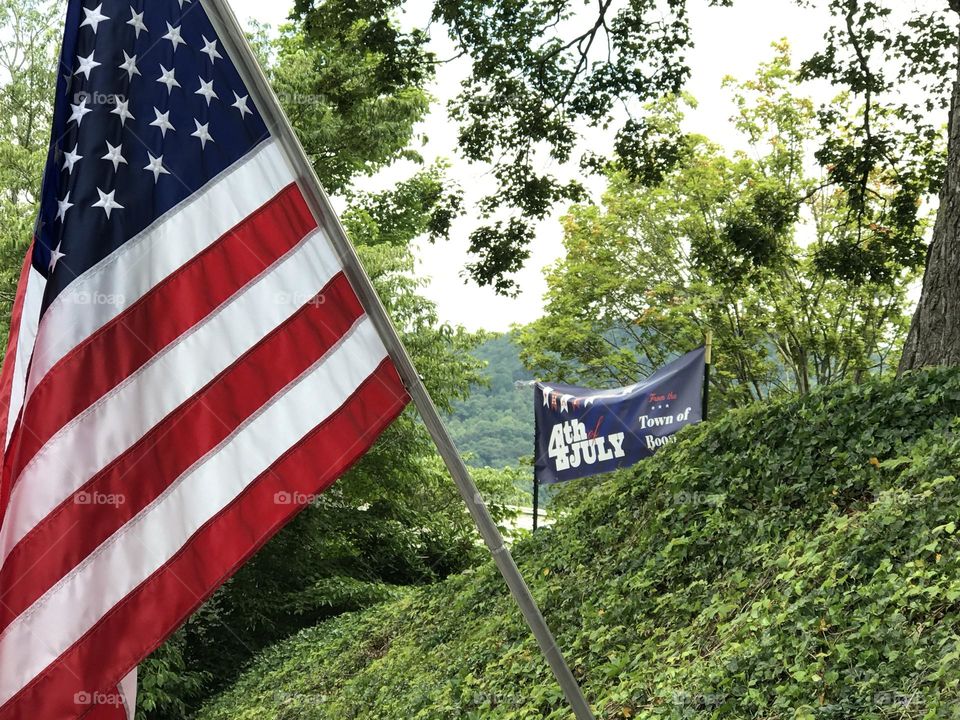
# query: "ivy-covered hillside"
[[796, 561]]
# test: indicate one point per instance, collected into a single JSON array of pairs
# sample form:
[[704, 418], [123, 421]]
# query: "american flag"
[[188, 362]]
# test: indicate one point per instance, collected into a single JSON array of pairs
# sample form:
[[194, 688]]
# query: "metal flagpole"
[[232, 36]]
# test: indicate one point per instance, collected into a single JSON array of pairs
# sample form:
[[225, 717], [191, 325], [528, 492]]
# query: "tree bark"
[[934, 337]]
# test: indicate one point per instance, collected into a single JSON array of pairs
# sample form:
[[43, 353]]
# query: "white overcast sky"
[[728, 41]]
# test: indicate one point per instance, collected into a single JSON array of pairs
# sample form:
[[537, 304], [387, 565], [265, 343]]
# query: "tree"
[[494, 426], [354, 109], [719, 242], [542, 70], [876, 54], [28, 70]]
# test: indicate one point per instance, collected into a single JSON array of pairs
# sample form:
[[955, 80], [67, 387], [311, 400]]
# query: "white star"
[[63, 206], [122, 111], [206, 89], [163, 122], [136, 20], [173, 35], [114, 156], [70, 159], [130, 65], [86, 65], [156, 167], [241, 105], [167, 78], [78, 111], [94, 17], [203, 132], [210, 48], [107, 202], [55, 256], [182, 2]]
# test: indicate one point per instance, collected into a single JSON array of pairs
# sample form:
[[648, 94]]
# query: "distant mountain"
[[494, 427]]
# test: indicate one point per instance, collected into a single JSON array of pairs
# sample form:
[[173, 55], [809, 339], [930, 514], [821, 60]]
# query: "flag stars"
[[94, 17], [136, 20], [182, 2], [168, 78], [63, 206], [210, 48], [55, 257], [122, 111], [70, 159], [86, 65], [202, 132], [156, 167], [114, 156], [163, 122], [78, 111], [206, 89], [107, 202], [130, 65], [241, 105], [173, 35]]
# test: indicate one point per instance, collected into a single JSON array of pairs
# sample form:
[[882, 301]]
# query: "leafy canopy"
[[730, 243], [542, 72]]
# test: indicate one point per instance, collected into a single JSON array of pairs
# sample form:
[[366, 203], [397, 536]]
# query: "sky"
[[727, 41]]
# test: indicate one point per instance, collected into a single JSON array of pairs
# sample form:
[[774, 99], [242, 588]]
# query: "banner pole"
[[708, 360], [232, 36], [536, 500]]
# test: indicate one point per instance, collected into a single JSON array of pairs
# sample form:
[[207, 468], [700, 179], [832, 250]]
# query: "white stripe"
[[95, 437], [26, 338], [128, 691], [135, 552], [138, 265]]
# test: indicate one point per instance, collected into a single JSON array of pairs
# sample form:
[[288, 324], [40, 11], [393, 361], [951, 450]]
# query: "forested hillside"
[[796, 560], [494, 427]]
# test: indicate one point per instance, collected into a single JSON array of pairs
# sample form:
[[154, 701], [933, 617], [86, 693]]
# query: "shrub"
[[796, 560]]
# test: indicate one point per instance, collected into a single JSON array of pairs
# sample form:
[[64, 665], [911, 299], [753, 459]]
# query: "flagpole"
[[232, 36], [536, 499], [708, 360]]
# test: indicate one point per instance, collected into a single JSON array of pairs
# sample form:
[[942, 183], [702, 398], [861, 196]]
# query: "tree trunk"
[[934, 337]]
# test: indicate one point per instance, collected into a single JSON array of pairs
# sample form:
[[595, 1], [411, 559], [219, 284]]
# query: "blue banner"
[[582, 432]]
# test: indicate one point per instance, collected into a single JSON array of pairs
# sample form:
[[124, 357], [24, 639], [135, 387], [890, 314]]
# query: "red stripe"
[[137, 625], [171, 308], [9, 366], [74, 530]]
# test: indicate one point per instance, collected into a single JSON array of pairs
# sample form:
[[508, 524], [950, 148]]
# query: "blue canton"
[[149, 109]]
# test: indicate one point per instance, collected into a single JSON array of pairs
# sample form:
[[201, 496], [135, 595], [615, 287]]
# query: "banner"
[[582, 432]]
